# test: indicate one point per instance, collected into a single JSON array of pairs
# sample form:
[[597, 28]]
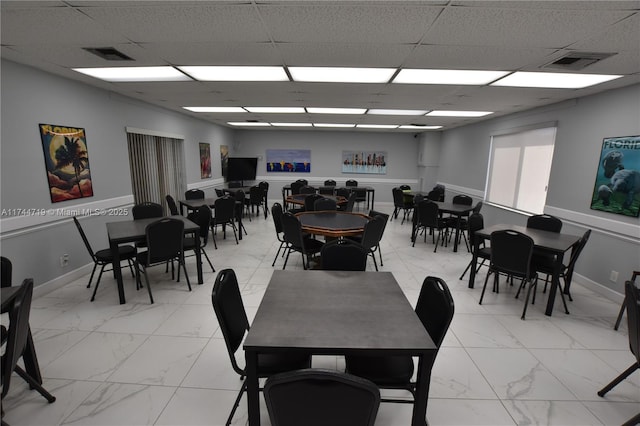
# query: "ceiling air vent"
[[577, 60], [108, 53]]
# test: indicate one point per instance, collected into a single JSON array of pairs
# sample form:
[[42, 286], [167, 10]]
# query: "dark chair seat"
[[384, 371], [269, 364]]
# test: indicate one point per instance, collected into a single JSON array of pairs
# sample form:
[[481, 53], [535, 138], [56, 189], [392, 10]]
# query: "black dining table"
[[131, 231], [333, 224], [369, 190], [337, 313], [554, 243]]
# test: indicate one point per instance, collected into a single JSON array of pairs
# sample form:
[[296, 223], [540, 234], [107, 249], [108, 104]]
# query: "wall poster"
[[224, 159], [617, 187], [205, 160], [67, 162], [289, 160], [371, 162]]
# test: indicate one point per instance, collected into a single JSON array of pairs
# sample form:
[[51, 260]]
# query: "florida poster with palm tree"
[[67, 162]]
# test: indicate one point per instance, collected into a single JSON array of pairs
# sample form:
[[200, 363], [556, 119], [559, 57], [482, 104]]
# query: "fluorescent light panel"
[[397, 112], [243, 73], [291, 124], [377, 126], [462, 77], [281, 110], [447, 113], [409, 126], [553, 80], [314, 110], [134, 74], [249, 123], [341, 74], [342, 125], [215, 109]]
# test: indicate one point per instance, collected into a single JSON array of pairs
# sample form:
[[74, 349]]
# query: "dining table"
[[333, 224], [370, 192], [132, 231], [298, 199], [337, 313], [545, 242]]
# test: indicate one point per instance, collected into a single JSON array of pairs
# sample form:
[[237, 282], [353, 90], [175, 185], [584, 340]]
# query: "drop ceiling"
[[477, 35]]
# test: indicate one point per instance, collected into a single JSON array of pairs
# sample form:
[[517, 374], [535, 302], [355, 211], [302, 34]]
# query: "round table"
[[333, 224], [298, 199]]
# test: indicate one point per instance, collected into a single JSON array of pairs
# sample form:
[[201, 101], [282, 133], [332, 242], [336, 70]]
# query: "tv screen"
[[241, 169]]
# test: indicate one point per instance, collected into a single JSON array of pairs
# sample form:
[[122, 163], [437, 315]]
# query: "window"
[[519, 167]]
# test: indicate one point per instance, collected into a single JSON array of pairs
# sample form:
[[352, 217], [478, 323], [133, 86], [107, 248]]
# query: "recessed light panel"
[[314, 110], [553, 80], [226, 73], [447, 113], [134, 74], [341, 74], [276, 110], [215, 109], [462, 77], [397, 112], [410, 126], [291, 124], [343, 125], [249, 123], [377, 126]]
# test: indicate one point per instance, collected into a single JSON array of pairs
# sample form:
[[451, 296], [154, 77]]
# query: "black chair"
[[373, 231], [14, 341], [225, 209], [296, 242], [475, 223], [164, 244], [6, 269], [146, 210], [325, 204], [295, 186], [306, 189], [330, 182], [310, 200], [351, 183], [426, 216], [171, 203], [232, 318], [435, 310], [219, 192], [104, 257], [329, 187], [194, 194], [435, 195], [401, 203], [276, 214], [478, 207], [241, 200], [463, 200], [405, 187], [318, 397], [256, 199], [544, 222], [351, 201], [374, 213], [438, 189], [264, 185], [623, 307], [202, 217], [511, 253], [344, 255], [632, 301]]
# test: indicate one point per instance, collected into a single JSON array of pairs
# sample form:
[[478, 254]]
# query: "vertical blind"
[[519, 168], [157, 167]]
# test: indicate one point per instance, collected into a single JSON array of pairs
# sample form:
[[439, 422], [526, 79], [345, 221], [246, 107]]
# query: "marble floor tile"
[[551, 413]]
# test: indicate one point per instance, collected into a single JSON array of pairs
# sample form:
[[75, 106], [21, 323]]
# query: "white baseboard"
[[61, 281], [603, 291]]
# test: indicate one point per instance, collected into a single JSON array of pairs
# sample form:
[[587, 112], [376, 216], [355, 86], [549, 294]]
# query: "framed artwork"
[[224, 159], [617, 187], [368, 162], [67, 162], [289, 160], [205, 160]]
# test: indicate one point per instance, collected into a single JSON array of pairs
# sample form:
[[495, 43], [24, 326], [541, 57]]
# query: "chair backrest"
[[475, 222], [232, 317], [462, 199], [575, 253], [194, 194], [202, 218], [310, 200], [351, 182], [426, 214], [240, 195], [225, 209], [632, 301], [306, 189], [6, 269], [405, 187], [351, 201], [344, 255], [164, 239], [276, 214], [511, 252], [173, 208], [478, 207], [292, 229], [373, 231], [219, 192], [435, 195], [398, 197], [325, 204], [330, 182], [264, 185], [295, 187], [544, 222], [146, 210], [318, 397], [256, 195], [85, 240], [435, 308], [18, 332], [343, 192]]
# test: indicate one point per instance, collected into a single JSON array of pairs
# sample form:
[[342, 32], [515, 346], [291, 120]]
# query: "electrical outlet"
[[613, 276], [64, 260]]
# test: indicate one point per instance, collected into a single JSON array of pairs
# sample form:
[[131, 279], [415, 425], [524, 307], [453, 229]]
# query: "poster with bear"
[[617, 187]]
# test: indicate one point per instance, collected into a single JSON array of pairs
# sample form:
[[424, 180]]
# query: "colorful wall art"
[[289, 160], [205, 160], [369, 162]]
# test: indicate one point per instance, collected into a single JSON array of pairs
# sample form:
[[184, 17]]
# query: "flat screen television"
[[241, 169]]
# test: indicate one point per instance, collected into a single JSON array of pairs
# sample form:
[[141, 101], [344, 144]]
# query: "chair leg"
[[532, 286], [95, 289], [208, 260], [373, 256], [618, 379], [146, 280], [484, 287], [633, 421], [95, 265], [34, 384], [286, 259], [236, 404], [184, 267], [622, 308], [277, 254]]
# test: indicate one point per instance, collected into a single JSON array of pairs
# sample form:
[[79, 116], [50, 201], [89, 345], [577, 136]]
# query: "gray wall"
[[30, 97], [582, 124]]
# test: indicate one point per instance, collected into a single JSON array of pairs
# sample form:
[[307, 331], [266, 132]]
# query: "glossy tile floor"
[[166, 363]]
